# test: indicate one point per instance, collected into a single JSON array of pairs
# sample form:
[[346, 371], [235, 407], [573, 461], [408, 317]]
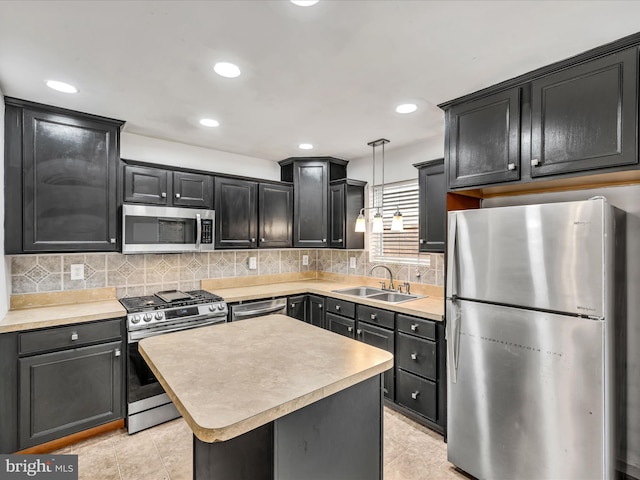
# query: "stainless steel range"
[[164, 312]]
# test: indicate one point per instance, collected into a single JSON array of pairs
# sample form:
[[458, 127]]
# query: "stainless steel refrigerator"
[[530, 333]]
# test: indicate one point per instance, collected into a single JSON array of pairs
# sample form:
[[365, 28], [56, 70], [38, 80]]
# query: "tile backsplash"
[[134, 275]]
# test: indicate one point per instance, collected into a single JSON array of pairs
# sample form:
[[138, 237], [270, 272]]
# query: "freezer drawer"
[[417, 393], [529, 394]]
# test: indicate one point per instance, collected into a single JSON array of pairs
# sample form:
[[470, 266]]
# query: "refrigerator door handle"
[[452, 280], [453, 340]]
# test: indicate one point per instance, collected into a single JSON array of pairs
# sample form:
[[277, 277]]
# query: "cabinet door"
[[310, 180], [343, 326], [69, 391], [584, 117], [145, 185], [297, 307], [69, 183], [484, 140], [316, 311], [236, 213], [432, 207], [192, 190], [275, 215], [337, 216], [384, 339]]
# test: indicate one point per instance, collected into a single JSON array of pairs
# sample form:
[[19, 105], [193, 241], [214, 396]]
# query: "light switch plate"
[[352, 262], [253, 264], [77, 271], [305, 259]]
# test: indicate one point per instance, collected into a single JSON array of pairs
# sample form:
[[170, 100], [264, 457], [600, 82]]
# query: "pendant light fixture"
[[377, 223]]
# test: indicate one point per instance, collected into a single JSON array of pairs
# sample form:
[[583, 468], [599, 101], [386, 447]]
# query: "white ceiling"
[[330, 74]]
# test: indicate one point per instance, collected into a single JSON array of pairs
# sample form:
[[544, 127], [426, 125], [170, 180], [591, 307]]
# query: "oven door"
[[148, 229]]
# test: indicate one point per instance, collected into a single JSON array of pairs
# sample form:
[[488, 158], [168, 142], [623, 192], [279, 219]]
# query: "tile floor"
[[411, 452]]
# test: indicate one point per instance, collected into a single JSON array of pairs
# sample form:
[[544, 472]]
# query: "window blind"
[[395, 246]]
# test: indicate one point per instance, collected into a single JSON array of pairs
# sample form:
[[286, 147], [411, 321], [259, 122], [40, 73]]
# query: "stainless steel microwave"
[[148, 229]]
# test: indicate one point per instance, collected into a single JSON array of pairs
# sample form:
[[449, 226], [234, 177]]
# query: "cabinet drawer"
[[346, 309], [343, 326], [375, 316], [416, 393], [71, 336], [416, 355], [416, 326]]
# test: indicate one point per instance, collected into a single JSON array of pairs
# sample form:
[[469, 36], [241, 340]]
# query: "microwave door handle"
[[198, 230]]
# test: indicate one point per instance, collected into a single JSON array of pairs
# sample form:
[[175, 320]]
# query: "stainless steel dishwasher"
[[242, 311]]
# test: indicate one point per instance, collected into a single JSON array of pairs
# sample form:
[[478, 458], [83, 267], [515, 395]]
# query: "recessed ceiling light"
[[209, 122], [61, 86], [304, 3], [225, 69], [406, 108], [305, 146]]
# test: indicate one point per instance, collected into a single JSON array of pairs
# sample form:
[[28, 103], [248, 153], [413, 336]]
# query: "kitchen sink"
[[360, 291], [378, 294]]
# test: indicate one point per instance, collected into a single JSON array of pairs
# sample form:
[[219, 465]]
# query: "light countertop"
[[231, 378]]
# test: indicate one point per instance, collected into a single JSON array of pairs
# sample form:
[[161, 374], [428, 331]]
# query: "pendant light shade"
[[377, 226], [361, 222], [397, 225]]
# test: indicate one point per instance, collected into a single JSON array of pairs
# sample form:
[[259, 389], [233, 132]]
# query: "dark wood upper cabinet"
[[484, 140], [275, 215], [61, 170], [236, 213], [146, 185], [432, 218], [311, 181], [585, 117], [159, 186], [346, 198]]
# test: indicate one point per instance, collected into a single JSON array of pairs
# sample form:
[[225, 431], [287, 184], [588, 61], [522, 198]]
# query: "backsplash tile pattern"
[[141, 274]]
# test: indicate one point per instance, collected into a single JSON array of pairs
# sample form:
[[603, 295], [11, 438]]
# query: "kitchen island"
[[273, 397]]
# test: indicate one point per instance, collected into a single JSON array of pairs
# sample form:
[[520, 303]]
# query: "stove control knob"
[[221, 306], [148, 317], [135, 318], [212, 308], [159, 316]]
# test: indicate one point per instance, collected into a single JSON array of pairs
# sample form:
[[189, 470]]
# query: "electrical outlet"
[[352, 262], [253, 264], [305, 259], [77, 271]]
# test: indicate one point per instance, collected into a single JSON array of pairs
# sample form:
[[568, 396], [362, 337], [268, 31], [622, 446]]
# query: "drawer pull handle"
[[359, 331], [337, 307], [535, 162], [373, 316], [177, 195], [414, 327], [415, 394], [511, 166], [350, 329], [74, 336], [262, 239], [117, 352], [292, 305], [163, 194], [414, 356]]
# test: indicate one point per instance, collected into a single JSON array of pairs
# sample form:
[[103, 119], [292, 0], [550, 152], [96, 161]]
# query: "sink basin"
[[360, 291], [378, 294], [393, 297]]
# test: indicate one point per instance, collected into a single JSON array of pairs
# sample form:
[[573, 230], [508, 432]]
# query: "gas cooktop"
[[168, 299]]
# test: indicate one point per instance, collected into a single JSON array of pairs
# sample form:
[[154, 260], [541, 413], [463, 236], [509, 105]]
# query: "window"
[[391, 246]]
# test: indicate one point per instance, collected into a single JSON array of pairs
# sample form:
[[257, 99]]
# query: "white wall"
[[155, 150], [4, 270], [398, 161]]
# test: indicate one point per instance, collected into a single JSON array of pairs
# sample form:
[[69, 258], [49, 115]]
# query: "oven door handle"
[[259, 311], [140, 334]]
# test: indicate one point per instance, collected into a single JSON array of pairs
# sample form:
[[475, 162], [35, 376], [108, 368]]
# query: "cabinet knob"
[[320, 307], [422, 241], [414, 356], [177, 195], [163, 194], [373, 316], [292, 305], [112, 240], [116, 352], [324, 240], [339, 240], [415, 394], [359, 331], [74, 336], [253, 239], [511, 166], [414, 327], [337, 307], [262, 239], [535, 162], [350, 329]]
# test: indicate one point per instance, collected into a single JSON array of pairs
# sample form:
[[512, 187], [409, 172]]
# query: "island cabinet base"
[[337, 437]]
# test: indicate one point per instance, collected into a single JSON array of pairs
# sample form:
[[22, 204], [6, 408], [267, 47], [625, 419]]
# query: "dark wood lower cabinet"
[[382, 338], [417, 394], [64, 392], [342, 325], [297, 307], [316, 311]]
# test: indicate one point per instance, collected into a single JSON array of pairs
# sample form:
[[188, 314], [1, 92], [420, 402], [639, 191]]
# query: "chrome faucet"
[[391, 286]]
